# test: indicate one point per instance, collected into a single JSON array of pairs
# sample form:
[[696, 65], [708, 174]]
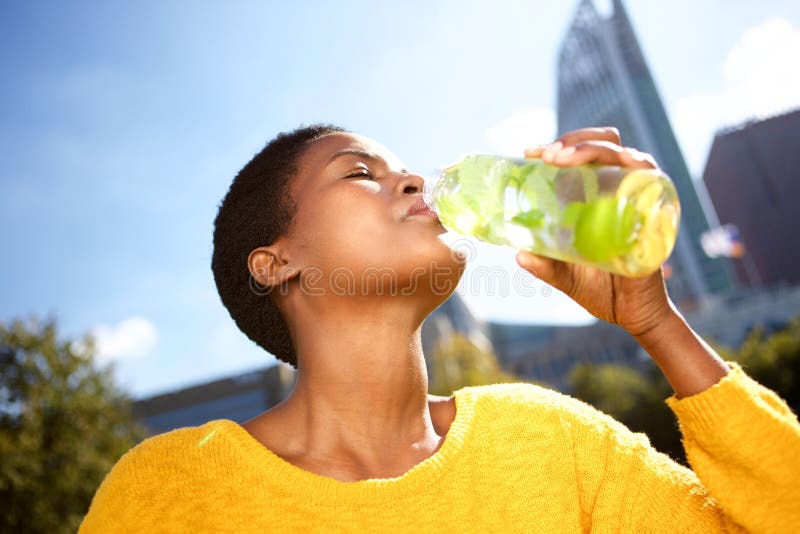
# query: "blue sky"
[[122, 125]]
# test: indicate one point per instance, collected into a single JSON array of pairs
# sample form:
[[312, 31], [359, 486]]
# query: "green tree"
[[458, 362], [772, 360], [635, 398], [63, 425]]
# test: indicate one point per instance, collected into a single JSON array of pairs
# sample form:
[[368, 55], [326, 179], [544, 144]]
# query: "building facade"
[[603, 80], [751, 177], [547, 354], [237, 398]]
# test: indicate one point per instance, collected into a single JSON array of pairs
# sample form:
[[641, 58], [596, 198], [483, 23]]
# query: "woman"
[[324, 256]]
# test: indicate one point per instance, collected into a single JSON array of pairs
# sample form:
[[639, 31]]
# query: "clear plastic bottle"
[[621, 220]]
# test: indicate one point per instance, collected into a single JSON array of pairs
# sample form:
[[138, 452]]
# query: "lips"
[[420, 208]]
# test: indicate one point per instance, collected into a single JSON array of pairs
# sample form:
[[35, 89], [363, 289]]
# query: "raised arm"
[[741, 439], [639, 305]]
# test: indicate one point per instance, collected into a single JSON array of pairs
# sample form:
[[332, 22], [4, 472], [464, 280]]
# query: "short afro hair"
[[256, 211]]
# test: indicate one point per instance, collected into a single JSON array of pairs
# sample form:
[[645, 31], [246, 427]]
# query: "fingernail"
[[534, 151]]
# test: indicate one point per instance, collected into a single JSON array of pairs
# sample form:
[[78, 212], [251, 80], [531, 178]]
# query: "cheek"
[[357, 231], [345, 230]]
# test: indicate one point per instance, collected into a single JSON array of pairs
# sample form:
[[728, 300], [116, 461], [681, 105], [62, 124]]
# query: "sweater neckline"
[[273, 470]]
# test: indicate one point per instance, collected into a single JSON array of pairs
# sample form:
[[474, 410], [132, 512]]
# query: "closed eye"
[[362, 173]]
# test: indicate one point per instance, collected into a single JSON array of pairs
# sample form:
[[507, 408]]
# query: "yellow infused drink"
[[621, 220]]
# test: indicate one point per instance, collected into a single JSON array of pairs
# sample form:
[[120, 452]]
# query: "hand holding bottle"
[[636, 304], [619, 218]]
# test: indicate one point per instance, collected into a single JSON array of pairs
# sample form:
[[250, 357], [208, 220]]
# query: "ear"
[[270, 266]]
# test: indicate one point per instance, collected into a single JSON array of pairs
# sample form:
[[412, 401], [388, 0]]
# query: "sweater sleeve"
[[743, 443]]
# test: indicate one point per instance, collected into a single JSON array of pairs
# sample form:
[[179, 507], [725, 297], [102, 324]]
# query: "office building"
[[752, 178], [604, 80]]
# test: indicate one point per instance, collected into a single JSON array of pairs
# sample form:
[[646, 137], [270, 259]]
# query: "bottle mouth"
[[428, 189]]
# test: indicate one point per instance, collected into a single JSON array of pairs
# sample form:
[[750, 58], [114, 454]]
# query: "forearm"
[[688, 362]]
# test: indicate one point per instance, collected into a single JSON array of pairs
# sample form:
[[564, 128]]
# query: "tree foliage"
[[458, 362], [63, 425], [636, 398], [773, 360]]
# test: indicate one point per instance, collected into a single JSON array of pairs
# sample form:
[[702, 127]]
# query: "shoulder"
[[532, 403], [162, 449], [157, 466], [157, 455], [518, 395]]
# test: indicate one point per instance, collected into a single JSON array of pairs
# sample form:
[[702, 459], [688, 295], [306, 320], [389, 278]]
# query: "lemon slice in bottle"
[[633, 182]]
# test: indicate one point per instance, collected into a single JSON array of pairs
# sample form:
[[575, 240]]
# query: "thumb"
[[548, 270]]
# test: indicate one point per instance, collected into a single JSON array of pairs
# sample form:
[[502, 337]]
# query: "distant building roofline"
[[755, 119]]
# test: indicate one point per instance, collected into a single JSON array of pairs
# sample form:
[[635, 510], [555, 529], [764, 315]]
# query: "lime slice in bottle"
[[571, 214], [594, 230], [606, 227]]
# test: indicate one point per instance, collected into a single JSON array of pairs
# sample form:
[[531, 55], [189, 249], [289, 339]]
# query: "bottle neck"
[[428, 192]]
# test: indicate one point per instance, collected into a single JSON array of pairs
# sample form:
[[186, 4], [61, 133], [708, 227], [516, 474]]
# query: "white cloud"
[[132, 338], [759, 78], [524, 128]]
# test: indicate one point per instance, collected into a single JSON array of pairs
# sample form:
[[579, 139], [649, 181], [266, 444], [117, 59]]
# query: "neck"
[[361, 393]]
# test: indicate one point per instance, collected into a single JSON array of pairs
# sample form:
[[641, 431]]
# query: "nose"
[[409, 184]]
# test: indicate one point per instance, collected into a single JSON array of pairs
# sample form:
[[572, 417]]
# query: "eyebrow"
[[355, 152], [361, 153]]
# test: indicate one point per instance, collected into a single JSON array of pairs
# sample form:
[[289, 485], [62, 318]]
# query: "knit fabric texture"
[[517, 458]]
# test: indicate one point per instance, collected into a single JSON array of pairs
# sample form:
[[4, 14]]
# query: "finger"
[[631, 157], [585, 152], [535, 152], [605, 153], [551, 150], [605, 133], [553, 272]]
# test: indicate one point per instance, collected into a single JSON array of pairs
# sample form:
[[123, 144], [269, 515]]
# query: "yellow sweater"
[[517, 458]]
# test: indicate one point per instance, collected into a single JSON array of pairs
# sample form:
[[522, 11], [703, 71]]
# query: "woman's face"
[[355, 229]]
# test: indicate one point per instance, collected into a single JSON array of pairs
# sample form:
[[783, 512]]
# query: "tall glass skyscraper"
[[603, 80]]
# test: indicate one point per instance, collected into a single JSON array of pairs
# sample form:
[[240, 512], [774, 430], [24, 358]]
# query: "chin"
[[443, 270], [443, 253]]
